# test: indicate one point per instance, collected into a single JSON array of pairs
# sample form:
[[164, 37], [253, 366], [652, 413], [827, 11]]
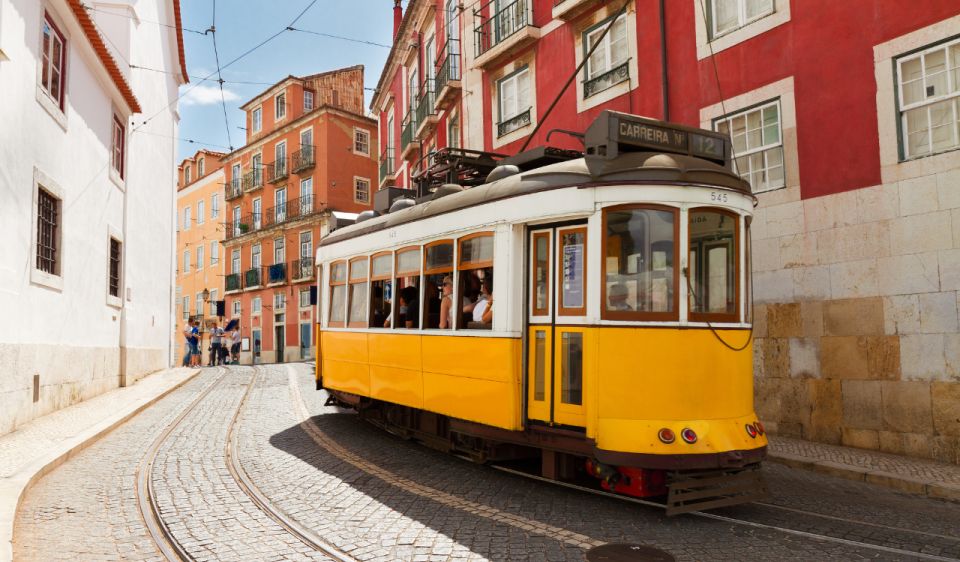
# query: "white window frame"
[[236, 307], [606, 46], [257, 213], [186, 261], [186, 307], [361, 139], [187, 214], [201, 164], [214, 205], [279, 157], [256, 119], [356, 182], [279, 250], [213, 302], [709, 45], [187, 175], [200, 253], [256, 256], [38, 276], [214, 252], [742, 19], [504, 113], [279, 300], [762, 149], [306, 292], [201, 211], [308, 95], [951, 67], [256, 306], [199, 304], [235, 264], [236, 221], [280, 109]]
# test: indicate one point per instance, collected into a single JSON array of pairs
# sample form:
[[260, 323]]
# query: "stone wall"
[[856, 322]]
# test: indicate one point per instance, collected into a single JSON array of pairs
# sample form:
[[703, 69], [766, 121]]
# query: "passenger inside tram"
[[446, 304], [483, 309], [409, 308], [617, 297]]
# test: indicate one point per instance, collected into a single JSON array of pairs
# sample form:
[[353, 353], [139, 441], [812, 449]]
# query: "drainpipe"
[[663, 63]]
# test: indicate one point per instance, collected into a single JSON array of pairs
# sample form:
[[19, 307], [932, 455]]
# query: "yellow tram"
[[614, 335]]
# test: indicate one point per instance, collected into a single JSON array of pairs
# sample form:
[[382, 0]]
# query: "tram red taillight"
[[688, 435], [751, 431], [759, 427], [666, 435]]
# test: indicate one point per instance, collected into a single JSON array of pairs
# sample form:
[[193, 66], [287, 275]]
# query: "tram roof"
[[652, 168]]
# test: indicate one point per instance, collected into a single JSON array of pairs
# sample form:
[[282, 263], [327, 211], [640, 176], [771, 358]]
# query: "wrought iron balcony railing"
[[386, 163], [253, 179], [232, 282], [277, 170], [279, 214], [252, 278], [409, 132], [276, 273], [234, 188], [302, 268], [425, 101], [606, 80], [495, 28], [513, 123], [448, 69], [302, 159]]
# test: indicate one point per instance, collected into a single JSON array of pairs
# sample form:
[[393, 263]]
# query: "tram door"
[[556, 342]]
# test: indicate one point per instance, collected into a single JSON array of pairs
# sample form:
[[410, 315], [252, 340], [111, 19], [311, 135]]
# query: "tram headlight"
[[666, 435], [688, 435]]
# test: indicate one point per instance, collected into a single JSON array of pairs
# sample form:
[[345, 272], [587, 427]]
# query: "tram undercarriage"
[[685, 483]]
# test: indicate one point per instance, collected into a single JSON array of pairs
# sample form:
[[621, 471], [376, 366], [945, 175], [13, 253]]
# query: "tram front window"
[[713, 265], [639, 264]]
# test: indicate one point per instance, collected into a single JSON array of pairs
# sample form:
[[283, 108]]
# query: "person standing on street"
[[235, 345], [216, 340], [187, 344]]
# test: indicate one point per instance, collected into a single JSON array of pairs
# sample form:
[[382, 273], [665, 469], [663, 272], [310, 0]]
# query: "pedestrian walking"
[[194, 344], [235, 345]]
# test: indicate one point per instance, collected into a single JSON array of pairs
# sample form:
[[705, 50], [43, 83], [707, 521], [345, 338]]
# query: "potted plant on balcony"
[[244, 227]]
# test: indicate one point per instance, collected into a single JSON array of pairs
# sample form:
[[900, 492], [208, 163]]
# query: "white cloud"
[[202, 94]]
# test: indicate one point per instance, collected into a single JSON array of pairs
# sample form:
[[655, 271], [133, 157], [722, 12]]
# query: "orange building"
[[309, 165], [200, 216]]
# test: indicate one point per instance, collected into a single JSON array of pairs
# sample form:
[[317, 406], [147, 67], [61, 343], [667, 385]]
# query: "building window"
[[255, 305], [48, 233], [256, 213], [200, 167], [280, 104], [757, 145], [186, 175], [256, 120], [201, 211], [279, 300], [214, 252], [54, 58], [361, 190], [187, 213], [255, 255], [186, 308], [199, 257], [607, 67], [235, 261], [361, 142], [929, 100], [236, 307], [214, 205], [213, 302], [730, 15], [307, 100], [186, 261], [514, 95], [114, 287], [304, 298], [237, 229], [116, 155], [279, 252], [199, 304], [453, 132]]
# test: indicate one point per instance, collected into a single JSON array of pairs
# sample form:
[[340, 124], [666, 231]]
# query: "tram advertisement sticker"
[[573, 276]]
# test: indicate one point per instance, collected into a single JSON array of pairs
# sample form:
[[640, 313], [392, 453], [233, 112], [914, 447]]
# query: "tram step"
[[696, 491]]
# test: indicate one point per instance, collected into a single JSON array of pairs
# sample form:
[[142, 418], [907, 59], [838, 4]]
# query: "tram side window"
[[357, 315], [640, 264], [338, 293], [407, 290], [438, 270], [381, 270], [475, 285], [713, 265]]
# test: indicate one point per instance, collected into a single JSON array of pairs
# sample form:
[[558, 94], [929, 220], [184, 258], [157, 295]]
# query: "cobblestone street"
[[361, 493]]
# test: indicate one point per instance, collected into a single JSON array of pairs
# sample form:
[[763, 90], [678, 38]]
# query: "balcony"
[[277, 171], [302, 159], [408, 138], [448, 74], [302, 269], [388, 173], [252, 278], [234, 189], [512, 124], [606, 80], [569, 9], [253, 179], [232, 282], [498, 33], [426, 114], [276, 273]]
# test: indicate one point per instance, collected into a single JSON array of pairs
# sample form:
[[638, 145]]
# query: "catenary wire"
[[216, 55], [139, 20]]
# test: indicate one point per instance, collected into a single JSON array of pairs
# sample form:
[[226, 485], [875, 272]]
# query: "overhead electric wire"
[[190, 141], [161, 24], [216, 55], [342, 38]]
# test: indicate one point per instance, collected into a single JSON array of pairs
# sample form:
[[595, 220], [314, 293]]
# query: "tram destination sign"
[[613, 133]]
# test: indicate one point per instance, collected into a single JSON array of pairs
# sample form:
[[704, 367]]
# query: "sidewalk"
[[41, 445], [915, 476]]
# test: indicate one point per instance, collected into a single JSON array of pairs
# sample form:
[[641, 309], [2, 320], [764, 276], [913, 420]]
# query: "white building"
[[86, 197]]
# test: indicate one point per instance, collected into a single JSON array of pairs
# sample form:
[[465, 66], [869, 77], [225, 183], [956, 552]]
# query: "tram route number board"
[[638, 133]]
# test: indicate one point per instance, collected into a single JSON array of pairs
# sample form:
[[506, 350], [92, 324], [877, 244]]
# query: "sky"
[[240, 26]]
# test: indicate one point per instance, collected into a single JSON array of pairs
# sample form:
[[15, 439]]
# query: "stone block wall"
[[856, 322]]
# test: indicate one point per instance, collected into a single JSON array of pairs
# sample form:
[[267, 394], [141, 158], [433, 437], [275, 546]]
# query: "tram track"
[[168, 544], [758, 525]]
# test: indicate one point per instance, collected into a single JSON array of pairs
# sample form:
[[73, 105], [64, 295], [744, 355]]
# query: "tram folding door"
[[557, 280]]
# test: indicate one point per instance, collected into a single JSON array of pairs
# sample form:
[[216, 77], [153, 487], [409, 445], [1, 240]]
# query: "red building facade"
[[846, 121], [309, 165]]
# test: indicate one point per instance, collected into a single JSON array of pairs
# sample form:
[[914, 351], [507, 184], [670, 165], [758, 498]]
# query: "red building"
[[308, 166], [845, 118]]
